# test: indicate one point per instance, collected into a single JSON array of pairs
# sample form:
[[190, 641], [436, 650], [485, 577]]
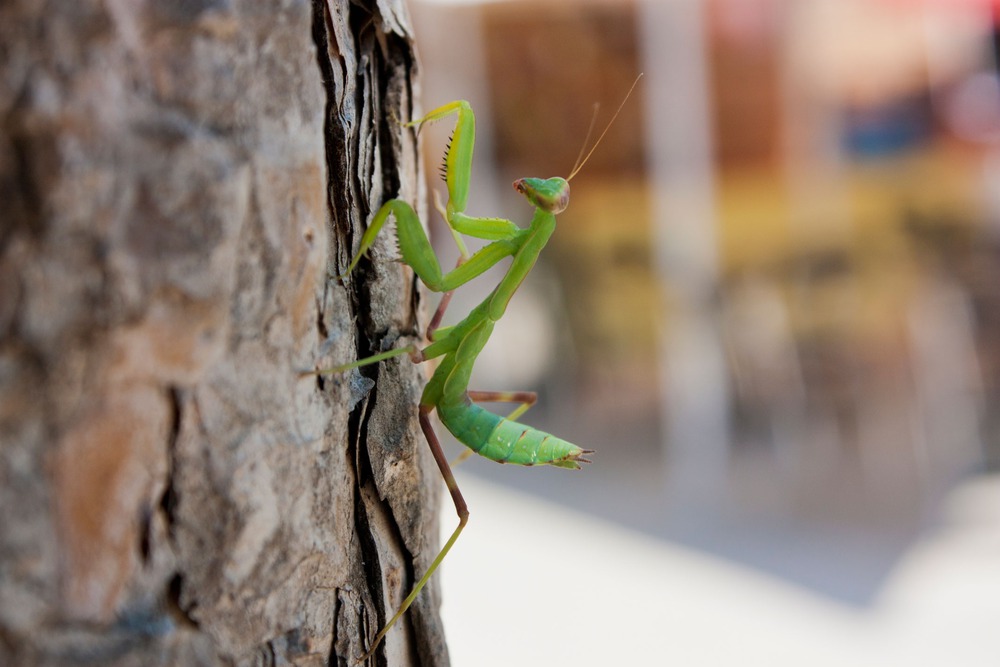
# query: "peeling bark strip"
[[179, 181]]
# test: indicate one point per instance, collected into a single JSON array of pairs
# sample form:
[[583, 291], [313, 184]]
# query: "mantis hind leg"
[[525, 398], [463, 518]]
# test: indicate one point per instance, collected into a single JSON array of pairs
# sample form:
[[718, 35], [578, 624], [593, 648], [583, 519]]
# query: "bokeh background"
[[772, 307]]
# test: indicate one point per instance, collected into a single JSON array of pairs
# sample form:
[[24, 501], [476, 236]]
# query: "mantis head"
[[548, 194]]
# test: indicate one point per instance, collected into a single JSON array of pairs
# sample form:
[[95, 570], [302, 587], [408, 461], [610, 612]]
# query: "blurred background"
[[772, 307]]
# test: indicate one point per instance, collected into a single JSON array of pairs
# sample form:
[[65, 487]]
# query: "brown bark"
[[179, 183]]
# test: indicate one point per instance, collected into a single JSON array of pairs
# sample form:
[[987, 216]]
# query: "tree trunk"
[[180, 183]]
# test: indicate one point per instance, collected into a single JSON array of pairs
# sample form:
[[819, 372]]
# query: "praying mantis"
[[498, 438]]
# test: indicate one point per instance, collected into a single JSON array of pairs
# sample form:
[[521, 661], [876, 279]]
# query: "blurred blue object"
[[887, 129]]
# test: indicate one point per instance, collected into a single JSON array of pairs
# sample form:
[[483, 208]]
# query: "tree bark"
[[180, 185]]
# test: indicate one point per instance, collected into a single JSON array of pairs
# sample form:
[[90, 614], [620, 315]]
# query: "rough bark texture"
[[179, 183]]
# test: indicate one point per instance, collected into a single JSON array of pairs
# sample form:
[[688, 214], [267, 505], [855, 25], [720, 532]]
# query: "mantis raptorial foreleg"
[[413, 242], [457, 171], [419, 254], [463, 251]]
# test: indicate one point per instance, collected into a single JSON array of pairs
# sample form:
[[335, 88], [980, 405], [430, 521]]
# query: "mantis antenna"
[[579, 163], [586, 138]]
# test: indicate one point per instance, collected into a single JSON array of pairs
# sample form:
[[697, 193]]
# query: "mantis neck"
[[534, 239]]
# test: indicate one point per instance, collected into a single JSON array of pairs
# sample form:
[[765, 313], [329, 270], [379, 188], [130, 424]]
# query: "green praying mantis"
[[497, 438]]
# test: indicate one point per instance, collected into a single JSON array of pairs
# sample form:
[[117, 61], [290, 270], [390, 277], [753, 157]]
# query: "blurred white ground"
[[532, 583]]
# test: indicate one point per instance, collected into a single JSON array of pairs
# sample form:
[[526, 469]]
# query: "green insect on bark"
[[498, 438]]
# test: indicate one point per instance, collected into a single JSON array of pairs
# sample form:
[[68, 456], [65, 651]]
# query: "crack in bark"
[[322, 29], [21, 190], [168, 500], [363, 69], [339, 199], [168, 506], [175, 607], [334, 635]]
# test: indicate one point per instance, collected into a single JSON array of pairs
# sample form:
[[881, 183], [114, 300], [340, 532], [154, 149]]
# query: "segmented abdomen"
[[507, 441]]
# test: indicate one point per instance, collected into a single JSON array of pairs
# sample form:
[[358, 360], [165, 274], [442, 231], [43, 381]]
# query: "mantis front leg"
[[457, 172], [419, 254], [413, 243]]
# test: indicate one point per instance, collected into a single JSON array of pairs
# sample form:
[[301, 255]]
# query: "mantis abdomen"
[[504, 440]]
